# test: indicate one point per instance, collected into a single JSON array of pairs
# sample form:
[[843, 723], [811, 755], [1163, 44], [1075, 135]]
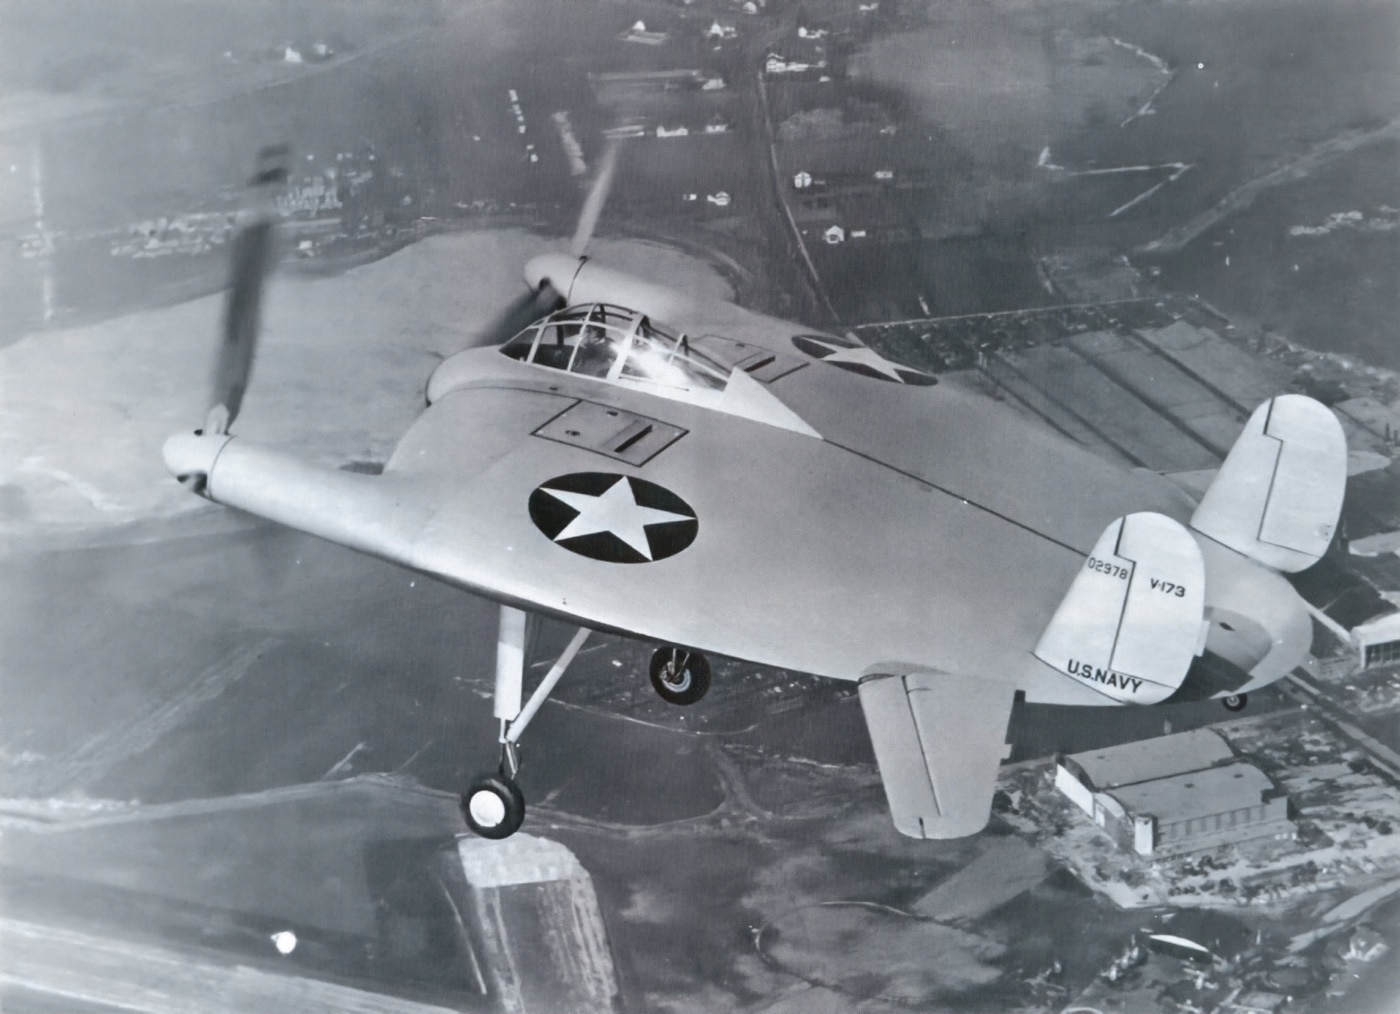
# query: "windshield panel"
[[590, 340], [660, 357], [661, 361], [519, 347]]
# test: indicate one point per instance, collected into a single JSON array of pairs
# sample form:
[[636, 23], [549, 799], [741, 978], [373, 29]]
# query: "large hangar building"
[[1174, 794]]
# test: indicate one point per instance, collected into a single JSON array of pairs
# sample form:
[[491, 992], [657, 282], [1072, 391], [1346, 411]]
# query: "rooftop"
[[1152, 758], [1197, 793], [1379, 630], [520, 859]]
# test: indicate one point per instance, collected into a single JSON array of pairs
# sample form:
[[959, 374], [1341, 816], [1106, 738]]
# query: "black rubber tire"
[[1235, 702], [691, 679], [493, 806]]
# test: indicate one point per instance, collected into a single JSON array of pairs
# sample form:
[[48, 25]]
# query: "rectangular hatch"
[[756, 361], [613, 432]]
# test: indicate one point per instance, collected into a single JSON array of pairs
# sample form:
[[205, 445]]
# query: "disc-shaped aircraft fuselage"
[[713, 480]]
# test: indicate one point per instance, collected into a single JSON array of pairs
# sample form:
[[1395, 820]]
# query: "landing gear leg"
[[1235, 702], [493, 806]]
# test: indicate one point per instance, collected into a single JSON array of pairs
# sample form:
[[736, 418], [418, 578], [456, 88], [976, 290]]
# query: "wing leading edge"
[[939, 740]]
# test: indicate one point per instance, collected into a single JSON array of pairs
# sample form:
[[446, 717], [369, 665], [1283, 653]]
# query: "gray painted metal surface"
[[906, 526]]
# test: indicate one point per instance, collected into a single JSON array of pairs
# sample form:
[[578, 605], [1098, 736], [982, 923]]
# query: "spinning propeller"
[[593, 203], [252, 254], [548, 297], [251, 251]]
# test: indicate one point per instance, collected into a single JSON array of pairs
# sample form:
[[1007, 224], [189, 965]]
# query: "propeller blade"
[[520, 314], [251, 253], [545, 299], [241, 311], [597, 197]]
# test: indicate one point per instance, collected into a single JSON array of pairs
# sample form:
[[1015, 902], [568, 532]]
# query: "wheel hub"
[[487, 808], [679, 675]]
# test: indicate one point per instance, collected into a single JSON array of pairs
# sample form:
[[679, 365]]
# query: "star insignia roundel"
[[862, 359], [613, 518]]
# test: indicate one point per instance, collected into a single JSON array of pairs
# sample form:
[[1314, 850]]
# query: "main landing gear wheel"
[[494, 806], [1235, 702], [680, 676]]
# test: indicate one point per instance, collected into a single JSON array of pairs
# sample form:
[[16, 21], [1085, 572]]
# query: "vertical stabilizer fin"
[[1131, 622], [1279, 494]]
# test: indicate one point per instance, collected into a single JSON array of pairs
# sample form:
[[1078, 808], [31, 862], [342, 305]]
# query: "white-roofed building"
[[1378, 640], [1174, 793]]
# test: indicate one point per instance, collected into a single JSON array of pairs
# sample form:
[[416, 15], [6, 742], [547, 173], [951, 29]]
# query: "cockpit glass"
[[596, 352], [519, 347], [611, 343], [665, 359]]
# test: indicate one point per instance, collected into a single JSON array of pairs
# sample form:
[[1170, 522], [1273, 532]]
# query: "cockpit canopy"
[[617, 344]]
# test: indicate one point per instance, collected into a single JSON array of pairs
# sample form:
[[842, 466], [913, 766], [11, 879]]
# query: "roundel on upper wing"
[[860, 359], [614, 518]]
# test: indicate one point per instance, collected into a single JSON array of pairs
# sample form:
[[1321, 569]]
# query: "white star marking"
[[862, 356], [614, 511]]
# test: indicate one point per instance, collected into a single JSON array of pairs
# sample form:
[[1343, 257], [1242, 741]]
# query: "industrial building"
[[1174, 793], [1378, 641]]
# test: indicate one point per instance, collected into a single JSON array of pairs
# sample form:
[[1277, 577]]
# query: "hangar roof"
[[1152, 758], [1197, 793]]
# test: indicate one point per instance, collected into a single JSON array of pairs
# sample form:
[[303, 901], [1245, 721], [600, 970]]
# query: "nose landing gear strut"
[[493, 805]]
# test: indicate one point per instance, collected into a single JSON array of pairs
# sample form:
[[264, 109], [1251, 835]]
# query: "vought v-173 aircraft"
[[682, 471]]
